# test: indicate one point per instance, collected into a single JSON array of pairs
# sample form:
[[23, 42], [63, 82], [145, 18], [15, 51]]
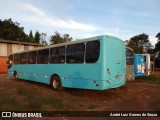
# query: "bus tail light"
[[117, 76]]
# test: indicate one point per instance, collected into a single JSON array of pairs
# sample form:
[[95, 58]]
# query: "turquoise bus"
[[97, 63]]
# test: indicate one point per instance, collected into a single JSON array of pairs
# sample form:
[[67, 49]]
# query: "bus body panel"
[[149, 65], [84, 75], [80, 76], [72, 75]]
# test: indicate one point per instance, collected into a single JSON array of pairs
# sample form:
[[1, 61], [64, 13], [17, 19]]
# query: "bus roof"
[[68, 43]]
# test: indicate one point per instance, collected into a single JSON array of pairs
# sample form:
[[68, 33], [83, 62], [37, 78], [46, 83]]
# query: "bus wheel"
[[15, 76], [56, 83]]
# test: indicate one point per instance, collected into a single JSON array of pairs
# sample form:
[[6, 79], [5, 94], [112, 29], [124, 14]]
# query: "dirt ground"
[[133, 96]]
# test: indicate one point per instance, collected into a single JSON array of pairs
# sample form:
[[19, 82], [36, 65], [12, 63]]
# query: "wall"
[[8, 48], [3, 49], [3, 65]]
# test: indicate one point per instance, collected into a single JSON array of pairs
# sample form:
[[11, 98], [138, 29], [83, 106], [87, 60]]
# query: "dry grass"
[[30, 96]]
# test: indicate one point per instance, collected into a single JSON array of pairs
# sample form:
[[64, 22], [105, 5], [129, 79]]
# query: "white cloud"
[[51, 21], [60, 16], [153, 39], [31, 14], [32, 9], [69, 24]]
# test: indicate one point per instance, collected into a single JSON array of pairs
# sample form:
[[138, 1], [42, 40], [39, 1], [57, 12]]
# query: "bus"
[[129, 64], [149, 65], [139, 67], [96, 63]]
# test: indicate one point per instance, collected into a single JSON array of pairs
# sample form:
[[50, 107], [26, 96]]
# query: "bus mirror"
[[7, 62], [10, 62]]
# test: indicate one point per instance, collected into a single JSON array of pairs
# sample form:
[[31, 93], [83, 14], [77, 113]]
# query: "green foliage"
[[10, 30], [151, 78], [30, 38], [30, 34], [44, 43], [158, 36], [57, 38], [139, 43], [157, 45], [37, 37]]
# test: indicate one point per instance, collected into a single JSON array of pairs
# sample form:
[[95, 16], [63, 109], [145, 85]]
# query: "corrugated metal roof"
[[19, 42]]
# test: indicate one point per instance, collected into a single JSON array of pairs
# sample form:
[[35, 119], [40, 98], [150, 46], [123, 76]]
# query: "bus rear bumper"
[[108, 84]]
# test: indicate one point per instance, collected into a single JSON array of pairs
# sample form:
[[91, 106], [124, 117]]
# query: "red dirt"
[[134, 96]]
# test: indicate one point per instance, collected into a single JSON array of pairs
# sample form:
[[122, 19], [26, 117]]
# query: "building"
[[8, 46]]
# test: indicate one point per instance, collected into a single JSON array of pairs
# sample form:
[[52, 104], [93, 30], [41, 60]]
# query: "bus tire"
[[15, 75], [56, 83]]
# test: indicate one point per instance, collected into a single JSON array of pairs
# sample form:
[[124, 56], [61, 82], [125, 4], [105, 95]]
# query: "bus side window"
[[79, 55], [75, 53], [57, 55], [16, 59], [23, 58], [70, 54], [32, 57], [92, 51], [43, 56]]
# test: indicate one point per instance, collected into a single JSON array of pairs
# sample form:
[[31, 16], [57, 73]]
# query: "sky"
[[85, 18]]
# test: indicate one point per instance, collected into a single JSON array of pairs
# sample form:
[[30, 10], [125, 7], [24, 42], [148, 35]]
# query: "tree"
[[44, 43], [140, 43], [157, 49], [66, 38], [42, 38], [30, 34], [10, 30], [57, 38], [37, 37], [30, 38], [158, 36], [157, 45]]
